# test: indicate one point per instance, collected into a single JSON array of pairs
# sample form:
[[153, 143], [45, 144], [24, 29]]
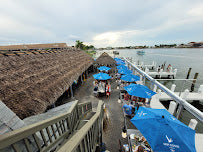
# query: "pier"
[[162, 74], [149, 66], [180, 102]]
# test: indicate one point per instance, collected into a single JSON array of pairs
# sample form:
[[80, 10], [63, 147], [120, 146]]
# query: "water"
[[181, 59]]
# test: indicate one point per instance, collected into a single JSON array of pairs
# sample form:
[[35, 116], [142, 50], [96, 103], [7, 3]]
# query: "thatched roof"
[[105, 59], [33, 46], [31, 81]]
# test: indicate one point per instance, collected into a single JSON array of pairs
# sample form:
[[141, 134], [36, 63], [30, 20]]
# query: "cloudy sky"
[[101, 22]]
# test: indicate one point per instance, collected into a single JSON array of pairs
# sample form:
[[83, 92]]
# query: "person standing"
[[108, 90]]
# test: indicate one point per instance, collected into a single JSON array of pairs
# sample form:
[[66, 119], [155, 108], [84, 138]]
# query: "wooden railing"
[[47, 134], [87, 138]]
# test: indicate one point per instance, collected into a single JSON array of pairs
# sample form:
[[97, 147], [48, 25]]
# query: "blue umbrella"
[[118, 59], [163, 131], [130, 78], [120, 62], [104, 68], [124, 71], [121, 67], [101, 76], [139, 90]]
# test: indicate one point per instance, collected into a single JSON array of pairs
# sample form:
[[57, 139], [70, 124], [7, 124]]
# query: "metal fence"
[[87, 138], [47, 134], [182, 103]]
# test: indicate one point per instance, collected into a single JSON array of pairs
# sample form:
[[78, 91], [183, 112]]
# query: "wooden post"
[[188, 73], [71, 91], [180, 109], [143, 80], [193, 83], [81, 79]]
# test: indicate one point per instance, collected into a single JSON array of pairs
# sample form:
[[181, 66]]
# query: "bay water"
[[181, 59]]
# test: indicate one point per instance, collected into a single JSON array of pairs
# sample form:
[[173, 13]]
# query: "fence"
[[87, 138], [47, 134]]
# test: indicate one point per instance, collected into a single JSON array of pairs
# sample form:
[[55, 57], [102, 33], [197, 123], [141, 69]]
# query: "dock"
[[149, 66], [162, 74], [195, 114], [189, 97]]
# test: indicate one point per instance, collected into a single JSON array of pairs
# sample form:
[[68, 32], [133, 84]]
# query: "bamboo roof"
[[31, 81], [105, 59]]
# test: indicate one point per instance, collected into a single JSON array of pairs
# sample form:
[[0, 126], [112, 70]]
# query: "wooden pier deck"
[[191, 96], [156, 74]]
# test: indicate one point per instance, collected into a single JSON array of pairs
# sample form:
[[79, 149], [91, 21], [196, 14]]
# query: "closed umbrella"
[[130, 78], [101, 76], [139, 90], [163, 131]]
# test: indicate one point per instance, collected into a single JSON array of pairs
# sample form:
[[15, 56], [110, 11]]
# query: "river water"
[[180, 58]]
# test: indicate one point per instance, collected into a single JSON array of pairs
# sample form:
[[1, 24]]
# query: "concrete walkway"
[[113, 130]]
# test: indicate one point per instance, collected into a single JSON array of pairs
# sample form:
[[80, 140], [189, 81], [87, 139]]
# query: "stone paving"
[[113, 130]]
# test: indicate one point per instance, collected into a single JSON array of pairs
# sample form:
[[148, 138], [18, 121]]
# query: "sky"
[[101, 23]]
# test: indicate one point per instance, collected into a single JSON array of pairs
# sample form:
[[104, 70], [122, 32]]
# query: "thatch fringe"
[[105, 60], [29, 83]]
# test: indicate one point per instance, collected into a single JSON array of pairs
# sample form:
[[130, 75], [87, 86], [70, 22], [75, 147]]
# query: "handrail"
[[89, 129], [50, 130], [194, 111]]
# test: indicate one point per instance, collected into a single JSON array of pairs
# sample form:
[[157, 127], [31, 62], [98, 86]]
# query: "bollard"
[[175, 72], [161, 71], [200, 90], [172, 107], [158, 94], [173, 86], [155, 88], [193, 124], [146, 70], [185, 94]]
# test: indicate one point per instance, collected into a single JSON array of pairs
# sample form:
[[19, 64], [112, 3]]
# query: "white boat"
[[141, 52]]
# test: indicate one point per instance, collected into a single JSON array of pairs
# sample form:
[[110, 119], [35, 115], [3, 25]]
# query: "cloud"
[[196, 11], [101, 23]]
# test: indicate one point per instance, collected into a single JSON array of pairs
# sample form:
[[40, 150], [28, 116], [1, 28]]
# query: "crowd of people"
[[168, 69], [102, 88]]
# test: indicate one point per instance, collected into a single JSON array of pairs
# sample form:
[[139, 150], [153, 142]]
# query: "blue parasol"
[[130, 78], [104, 68], [120, 62], [121, 67], [139, 90], [163, 131], [101, 76], [125, 71]]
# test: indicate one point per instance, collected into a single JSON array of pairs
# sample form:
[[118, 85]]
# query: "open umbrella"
[[163, 131], [125, 71], [120, 62], [104, 68], [118, 59], [130, 78], [139, 90], [101, 76], [121, 67]]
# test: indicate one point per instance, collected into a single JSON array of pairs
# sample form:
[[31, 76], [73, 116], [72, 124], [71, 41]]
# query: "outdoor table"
[[135, 142]]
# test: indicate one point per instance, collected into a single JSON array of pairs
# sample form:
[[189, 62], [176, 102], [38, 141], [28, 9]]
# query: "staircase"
[[78, 129]]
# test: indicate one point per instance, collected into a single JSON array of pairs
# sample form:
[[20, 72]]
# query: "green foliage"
[[165, 45], [79, 44]]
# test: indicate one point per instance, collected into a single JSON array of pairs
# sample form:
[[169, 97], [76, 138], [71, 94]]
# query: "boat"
[[141, 52]]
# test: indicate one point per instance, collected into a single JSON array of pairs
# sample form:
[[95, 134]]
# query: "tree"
[[79, 44]]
